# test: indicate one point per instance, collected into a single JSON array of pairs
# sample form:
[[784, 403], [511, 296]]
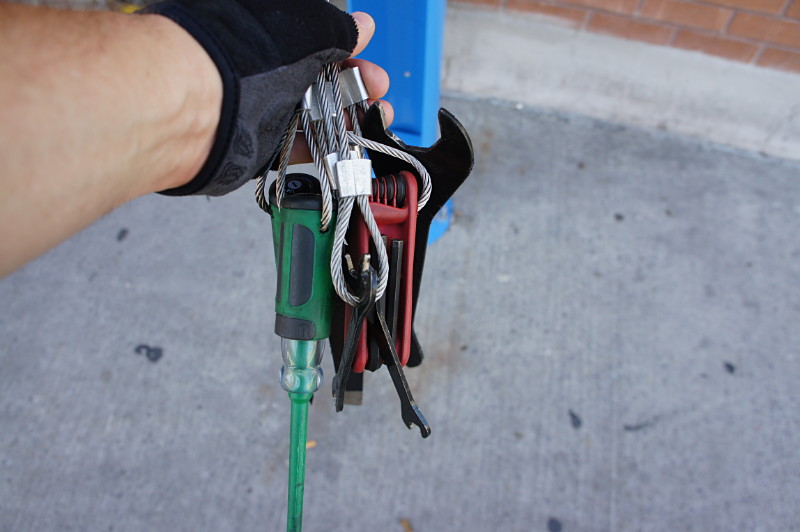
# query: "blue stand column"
[[408, 44]]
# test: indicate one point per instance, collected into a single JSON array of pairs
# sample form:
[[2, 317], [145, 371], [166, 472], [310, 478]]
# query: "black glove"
[[268, 53]]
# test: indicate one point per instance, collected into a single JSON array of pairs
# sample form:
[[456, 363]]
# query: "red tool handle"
[[394, 205]]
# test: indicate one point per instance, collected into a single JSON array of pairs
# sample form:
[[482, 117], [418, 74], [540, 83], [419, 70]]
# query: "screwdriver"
[[303, 307]]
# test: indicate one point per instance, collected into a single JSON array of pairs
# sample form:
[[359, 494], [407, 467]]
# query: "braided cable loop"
[[354, 118], [284, 154], [324, 178], [377, 239], [339, 237], [427, 187], [311, 133], [286, 142], [337, 269], [338, 118], [325, 124], [300, 121], [260, 197], [326, 136], [338, 142]]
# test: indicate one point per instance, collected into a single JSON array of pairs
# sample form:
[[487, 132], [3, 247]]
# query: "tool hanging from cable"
[[345, 250]]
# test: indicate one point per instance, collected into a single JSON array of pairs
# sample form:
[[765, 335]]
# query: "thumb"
[[366, 28]]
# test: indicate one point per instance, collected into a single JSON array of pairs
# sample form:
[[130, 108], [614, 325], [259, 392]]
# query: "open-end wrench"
[[412, 415], [449, 162], [368, 290]]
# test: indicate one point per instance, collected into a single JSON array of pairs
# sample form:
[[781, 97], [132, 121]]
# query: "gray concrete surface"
[[612, 333], [556, 67]]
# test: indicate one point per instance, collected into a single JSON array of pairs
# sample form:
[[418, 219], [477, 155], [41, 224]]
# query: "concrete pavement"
[[611, 327], [537, 61]]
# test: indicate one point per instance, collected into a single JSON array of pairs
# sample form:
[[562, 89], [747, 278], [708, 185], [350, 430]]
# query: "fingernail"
[[362, 19]]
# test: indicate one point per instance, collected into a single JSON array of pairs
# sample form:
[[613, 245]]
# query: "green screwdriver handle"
[[304, 295]]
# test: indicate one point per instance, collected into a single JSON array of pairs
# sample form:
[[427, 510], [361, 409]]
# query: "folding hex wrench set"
[[350, 249]]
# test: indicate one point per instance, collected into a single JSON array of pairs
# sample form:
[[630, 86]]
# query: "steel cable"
[[427, 186]]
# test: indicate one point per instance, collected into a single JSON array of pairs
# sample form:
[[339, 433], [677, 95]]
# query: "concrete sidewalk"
[[538, 61], [612, 334]]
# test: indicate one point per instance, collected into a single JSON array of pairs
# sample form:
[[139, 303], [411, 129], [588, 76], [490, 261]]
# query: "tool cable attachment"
[[347, 169], [427, 187], [344, 171]]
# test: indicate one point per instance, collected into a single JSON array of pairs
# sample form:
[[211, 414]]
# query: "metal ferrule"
[[352, 86], [352, 89], [354, 177]]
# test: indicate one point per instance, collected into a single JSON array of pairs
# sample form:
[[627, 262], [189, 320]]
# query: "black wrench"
[[412, 415], [368, 291], [449, 162]]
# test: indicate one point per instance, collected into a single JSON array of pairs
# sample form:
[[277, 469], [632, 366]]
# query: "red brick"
[[629, 29], [491, 3], [714, 45], [794, 10], [760, 28], [780, 59], [687, 14], [762, 6], [618, 6], [573, 15]]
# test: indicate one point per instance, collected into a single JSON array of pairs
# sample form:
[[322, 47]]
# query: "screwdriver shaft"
[[297, 460]]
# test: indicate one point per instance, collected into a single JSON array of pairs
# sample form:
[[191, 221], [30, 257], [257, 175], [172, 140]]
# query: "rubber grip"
[[304, 293]]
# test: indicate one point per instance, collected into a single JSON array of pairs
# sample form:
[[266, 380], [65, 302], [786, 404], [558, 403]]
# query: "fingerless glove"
[[268, 53]]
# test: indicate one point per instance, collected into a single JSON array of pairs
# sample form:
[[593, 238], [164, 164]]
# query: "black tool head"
[[449, 162]]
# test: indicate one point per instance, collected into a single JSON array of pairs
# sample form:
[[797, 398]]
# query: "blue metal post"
[[408, 44]]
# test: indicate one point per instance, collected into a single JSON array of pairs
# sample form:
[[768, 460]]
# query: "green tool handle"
[[304, 295]]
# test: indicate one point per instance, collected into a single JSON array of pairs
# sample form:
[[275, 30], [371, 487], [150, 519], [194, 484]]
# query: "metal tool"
[[389, 306], [409, 410], [303, 304], [449, 162], [311, 244], [394, 205], [367, 295], [405, 231]]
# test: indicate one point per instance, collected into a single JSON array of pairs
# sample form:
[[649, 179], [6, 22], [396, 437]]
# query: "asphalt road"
[[612, 339]]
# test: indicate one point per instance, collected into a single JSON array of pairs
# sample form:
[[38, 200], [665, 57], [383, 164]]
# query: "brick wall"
[[761, 32]]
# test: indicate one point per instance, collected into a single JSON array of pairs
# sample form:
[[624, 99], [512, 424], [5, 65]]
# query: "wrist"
[[193, 94], [266, 54]]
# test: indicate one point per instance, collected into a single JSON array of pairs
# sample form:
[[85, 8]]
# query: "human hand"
[[268, 52], [376, 80]]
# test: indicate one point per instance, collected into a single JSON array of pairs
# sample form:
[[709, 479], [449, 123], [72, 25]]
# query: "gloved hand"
[[268, 53]]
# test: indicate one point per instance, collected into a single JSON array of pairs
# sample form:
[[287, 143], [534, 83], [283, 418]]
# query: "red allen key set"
[[394, 204]]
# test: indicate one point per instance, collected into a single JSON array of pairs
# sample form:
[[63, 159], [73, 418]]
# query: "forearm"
[[95, 109]]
